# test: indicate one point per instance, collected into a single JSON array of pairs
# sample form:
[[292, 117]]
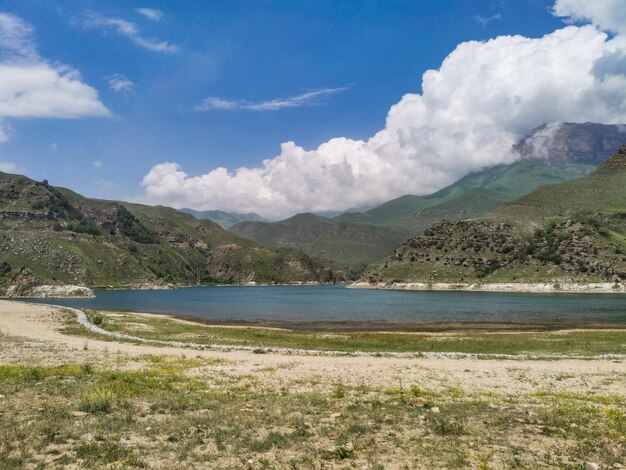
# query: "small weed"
[[99, 400], [273, 439], [97, 453], [445, 426], [338, 453], [86, 369], [339, 392]]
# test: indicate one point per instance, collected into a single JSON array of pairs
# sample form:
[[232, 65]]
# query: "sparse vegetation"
[[165, 414], [62, 237], [581, 342], [98, 408]]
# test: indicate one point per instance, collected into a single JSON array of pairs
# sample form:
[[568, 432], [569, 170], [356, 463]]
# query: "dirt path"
[[31, 333]]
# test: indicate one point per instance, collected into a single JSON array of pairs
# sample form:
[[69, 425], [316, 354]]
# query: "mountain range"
[[574, 231], [552, 153], [53, 235], [548, 215], [222, 218]]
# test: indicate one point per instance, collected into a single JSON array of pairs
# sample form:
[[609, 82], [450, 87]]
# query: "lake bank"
[[163, 330], [522, 287]]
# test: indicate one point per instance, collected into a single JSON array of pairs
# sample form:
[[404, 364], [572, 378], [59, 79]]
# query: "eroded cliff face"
[[67, 239], [25, 284], [565, 142]]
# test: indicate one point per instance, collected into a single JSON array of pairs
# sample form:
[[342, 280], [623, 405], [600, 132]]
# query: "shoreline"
[[378, 326], [83, 320], [522, 287]]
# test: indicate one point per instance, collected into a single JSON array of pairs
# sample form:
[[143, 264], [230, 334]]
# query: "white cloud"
[[608, 15], [311, 98], [151, 13], [97, 164], [482, 99], [31, 87], [92, 20], [485, 20], [118, 82], [8, 167], [5, 131], [54, 146], [16, 38]]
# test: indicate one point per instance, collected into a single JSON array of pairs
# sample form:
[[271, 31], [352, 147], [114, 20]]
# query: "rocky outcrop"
[[49, 291], [578, 249], [566, 142], [27, 285]]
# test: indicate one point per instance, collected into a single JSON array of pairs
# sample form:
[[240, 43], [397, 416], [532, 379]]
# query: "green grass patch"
[[99, 400], [575, 342]]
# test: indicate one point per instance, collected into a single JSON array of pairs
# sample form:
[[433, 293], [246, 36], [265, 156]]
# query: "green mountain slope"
[[352, 243], [500, 184], [604, 189], [569, 232], [390, 211], [362, 238], [63, 237], [222, 218]]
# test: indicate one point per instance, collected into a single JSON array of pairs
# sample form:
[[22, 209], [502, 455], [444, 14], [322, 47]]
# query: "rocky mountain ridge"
[[566, 142], [64, 238], [570, 232]]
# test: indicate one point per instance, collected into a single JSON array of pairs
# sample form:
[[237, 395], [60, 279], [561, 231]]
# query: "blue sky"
[[195, 78]]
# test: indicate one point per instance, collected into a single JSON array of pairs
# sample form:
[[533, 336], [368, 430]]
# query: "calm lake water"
[[295, 304]]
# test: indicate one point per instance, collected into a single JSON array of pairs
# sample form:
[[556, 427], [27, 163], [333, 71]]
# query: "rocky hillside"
[[62, 237], [570, 232]]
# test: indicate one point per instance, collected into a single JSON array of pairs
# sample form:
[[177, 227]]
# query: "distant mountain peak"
[[567, 142], [222, 218]]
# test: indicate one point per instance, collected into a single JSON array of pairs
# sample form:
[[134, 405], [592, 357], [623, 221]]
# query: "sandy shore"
[[31, 333], [536, 287]]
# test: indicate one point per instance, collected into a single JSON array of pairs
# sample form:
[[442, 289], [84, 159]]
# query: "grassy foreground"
[[188, 413], [65, 404], [571, 342]]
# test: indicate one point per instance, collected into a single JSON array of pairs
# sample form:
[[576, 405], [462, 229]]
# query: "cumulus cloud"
[[92, 20], [151, 13], [97, 164], [311, 98], [483, 98], [118, 82], [8, 167], [608, 15], [31, 87]]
